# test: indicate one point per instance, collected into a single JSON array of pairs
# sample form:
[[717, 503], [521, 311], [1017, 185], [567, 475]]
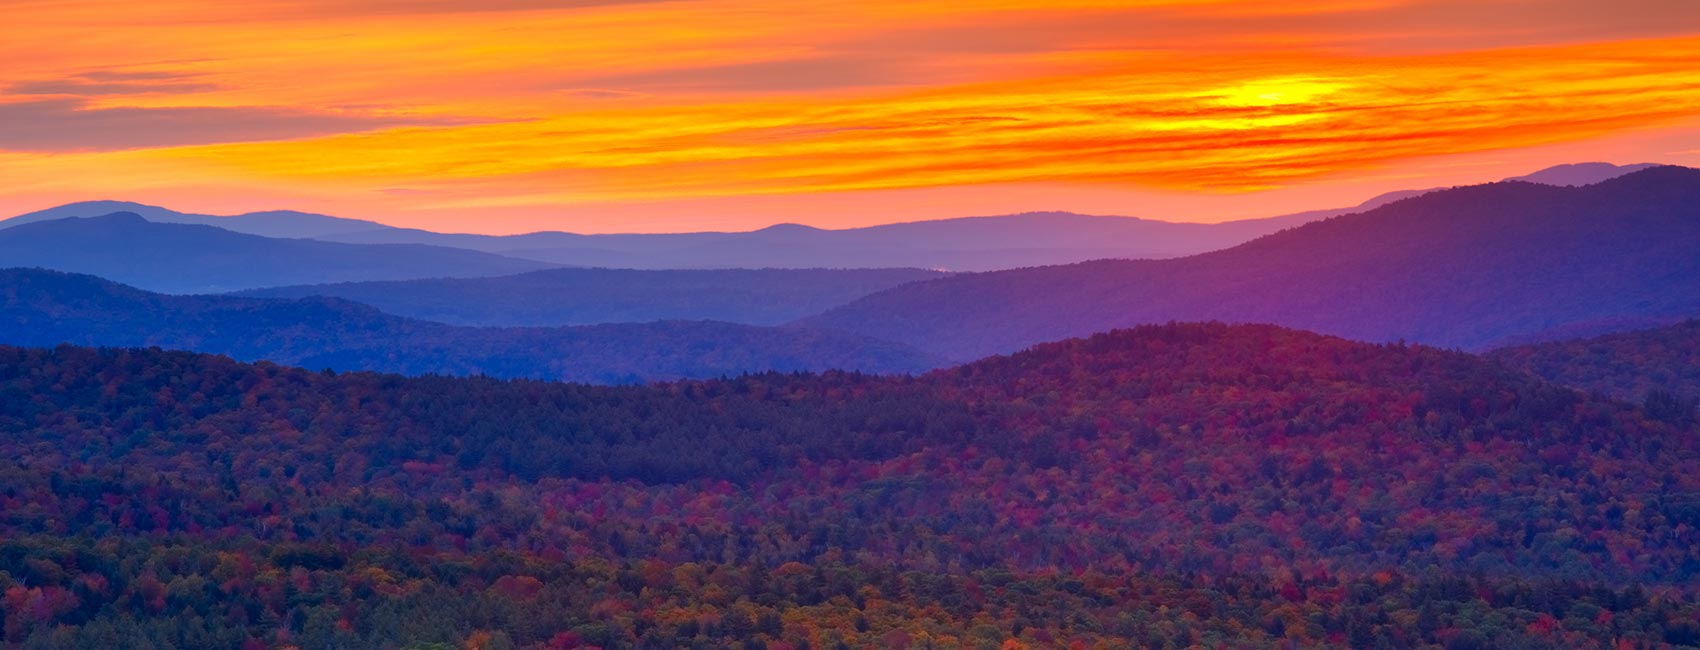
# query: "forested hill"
[[1471, 267], [44, 308], [1175, 486], [591, 296], [1631, 365]]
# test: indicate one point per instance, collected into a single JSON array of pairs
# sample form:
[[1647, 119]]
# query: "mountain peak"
[[192, 258], [107, 206], [786, 228], [1468, 267], [1584, 173]]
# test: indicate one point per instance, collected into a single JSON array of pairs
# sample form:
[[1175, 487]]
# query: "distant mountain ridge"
[[961, 244], [970, 244], [287, 224], [1469, 267], [182, 258], [589, 296], [1579, 174], [45, 308]]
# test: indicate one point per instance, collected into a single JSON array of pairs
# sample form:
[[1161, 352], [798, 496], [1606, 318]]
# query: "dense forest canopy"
[[1660, 366], [1167, 486]]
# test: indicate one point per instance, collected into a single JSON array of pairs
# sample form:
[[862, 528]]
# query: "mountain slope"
[[1468, 267], [962, 244], [178, 258], [588, 296], [273, 223], [43, 308], [1576, 174], [1176, 486], [1629, 365]]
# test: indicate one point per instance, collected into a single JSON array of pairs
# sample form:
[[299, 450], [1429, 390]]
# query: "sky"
[[503, 116]]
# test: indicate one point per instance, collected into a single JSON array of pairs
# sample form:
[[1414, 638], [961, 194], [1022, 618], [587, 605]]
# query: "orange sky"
[[644, 115]]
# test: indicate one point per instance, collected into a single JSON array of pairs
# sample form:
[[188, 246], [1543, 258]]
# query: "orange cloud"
[[512, 103], [1212, 125]]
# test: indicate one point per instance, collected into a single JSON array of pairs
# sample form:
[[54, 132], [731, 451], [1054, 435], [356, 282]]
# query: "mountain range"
[[963, 244], [1470, 267], [180, 258], [288, 224], [1089, 476], [590, 296], [1579, 174], [46, 308], [1475, 267]]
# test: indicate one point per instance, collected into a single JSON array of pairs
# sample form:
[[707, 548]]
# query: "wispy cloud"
[[1240, 125], [85, 88], [70, 125], [113, 82], [133, 75], [629, 100]]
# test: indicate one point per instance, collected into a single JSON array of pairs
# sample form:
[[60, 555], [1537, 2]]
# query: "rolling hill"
[[1169, 486], [1631, 365], [1471, 267], [177, 258], [287, 224], [43, 308], [589, 296], [960, 244], [1578, 174]]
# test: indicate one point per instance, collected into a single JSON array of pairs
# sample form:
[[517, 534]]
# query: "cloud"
[[60, 125], [456, 6], [408, 191], [786, 75], [344, 8], [633, 100], [114, 82], [84, 88], [1223, 124], [601, 93], [133, 75]]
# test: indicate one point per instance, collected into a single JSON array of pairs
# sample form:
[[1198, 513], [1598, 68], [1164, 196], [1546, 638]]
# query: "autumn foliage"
[[1165, 487]]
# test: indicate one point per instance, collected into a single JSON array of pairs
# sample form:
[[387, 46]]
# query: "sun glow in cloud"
[[1279, 91], [440, 113]]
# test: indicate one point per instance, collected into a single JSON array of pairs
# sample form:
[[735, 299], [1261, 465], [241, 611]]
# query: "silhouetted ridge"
[[957, 244], [1577, 174], [1468, 267], [185, 258], [273, 223], [781, 228], [587, 296], [43, 308]]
